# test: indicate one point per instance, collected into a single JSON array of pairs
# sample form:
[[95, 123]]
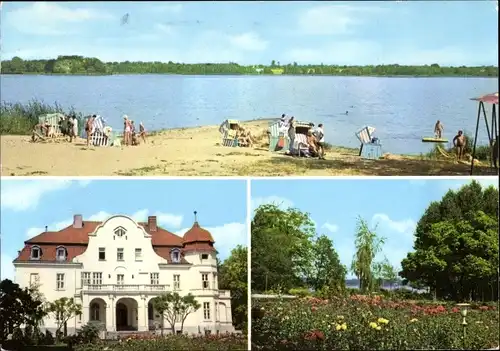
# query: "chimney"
[[77, 221], [152, 224], [46, 228]]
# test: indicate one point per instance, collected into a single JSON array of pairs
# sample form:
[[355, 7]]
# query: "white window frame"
[[60, 283], [154, 278], [206, 311], [96, 278], [34, 279], [205, 283], [101, 250], [120, 251], [177, 282], [85, 278], [33, 249], [176, 256], [138, 254], [63, 256], [120, 279]]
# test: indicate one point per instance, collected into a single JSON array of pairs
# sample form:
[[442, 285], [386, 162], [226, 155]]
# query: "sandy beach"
[[197, 152]]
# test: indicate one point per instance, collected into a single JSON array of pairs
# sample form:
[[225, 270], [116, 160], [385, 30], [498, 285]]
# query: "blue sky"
[[355, 32], [27, 206], [395, 205]]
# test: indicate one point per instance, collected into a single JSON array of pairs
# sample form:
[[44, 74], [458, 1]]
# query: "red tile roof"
[[75, 240]]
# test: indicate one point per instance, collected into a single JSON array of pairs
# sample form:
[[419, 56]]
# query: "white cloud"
[[226, 236], [282, 202], [333, 228], [18, 195], [248, 42], [50, 18], [163, 28], [7, 271], [406, 226], [333, 19]]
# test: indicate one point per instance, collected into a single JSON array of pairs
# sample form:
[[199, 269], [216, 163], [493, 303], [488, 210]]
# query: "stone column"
[[110, 315], [142, 315]]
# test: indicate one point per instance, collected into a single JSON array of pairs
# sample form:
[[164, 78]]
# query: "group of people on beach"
[[459, 141], [315, 137], [130, 135]]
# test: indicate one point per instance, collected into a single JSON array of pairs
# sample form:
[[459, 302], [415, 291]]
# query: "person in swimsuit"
[[438, 129], [89, 128], [127, 131], [459, 141], [142, 132]]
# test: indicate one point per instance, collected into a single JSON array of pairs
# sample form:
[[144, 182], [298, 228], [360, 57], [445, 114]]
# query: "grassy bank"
[[20, 119], [482, 151]]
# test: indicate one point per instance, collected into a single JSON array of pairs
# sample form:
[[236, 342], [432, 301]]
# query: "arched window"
[[36, 253], [61, 253], [120, 231], [175, 255], [95, 310]]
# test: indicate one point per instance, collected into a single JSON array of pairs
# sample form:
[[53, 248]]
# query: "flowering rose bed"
[[369, 323], [171, 342]]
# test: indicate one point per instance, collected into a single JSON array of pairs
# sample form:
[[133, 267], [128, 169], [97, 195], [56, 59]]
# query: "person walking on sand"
[[89, 128], [291, 132], [459, 141], [142, 132], [438, 129]]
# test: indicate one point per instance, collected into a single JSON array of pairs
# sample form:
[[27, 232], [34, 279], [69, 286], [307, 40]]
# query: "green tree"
[[281, 248], [233, 276], [456, 245], [327, 270], [63, 309], [17, 307], [368, 245], [386, 273], [175, 308]]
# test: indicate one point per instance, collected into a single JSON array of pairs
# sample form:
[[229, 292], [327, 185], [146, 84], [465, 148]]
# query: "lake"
[[402, 110]]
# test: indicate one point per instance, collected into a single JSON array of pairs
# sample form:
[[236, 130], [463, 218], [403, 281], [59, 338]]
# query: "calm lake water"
[[402, 110]]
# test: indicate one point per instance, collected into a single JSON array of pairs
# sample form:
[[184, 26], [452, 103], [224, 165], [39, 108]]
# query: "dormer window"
[[61, 254], [175, 255], [120, 231], [204, 256], [36, 253]]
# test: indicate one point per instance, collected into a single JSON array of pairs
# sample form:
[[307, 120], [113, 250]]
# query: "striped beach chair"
[[228, 129], [300, 145], [99, 137], [364, 136]]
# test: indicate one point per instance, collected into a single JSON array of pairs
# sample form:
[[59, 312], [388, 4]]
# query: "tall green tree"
[[282, 248], [456, 245], [368, 245], [17, 307], [327, 271], [233, 276]]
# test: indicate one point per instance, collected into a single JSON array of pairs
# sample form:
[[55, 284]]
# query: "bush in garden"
[[149, 342], [370, 323]]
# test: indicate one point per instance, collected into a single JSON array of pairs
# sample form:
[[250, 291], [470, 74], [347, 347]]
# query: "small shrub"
[[300, 292]]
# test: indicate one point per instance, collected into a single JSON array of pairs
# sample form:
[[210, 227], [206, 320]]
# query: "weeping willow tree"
[[368, 245]]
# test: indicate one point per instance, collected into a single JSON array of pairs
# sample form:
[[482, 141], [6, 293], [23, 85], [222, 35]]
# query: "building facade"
[[116, 267]]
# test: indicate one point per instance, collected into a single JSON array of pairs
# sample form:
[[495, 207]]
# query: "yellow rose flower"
[[414, 320], [373, 325], [344, 326], [338, 327], [382, 321], [378, 328], [340, 317]]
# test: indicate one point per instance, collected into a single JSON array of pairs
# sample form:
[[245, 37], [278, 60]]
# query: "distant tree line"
[[79, 65]]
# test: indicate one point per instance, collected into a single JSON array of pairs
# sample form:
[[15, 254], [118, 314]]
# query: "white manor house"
[[115, 267]]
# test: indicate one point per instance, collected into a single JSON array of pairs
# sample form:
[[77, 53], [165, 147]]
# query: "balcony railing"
[[125, 288]]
